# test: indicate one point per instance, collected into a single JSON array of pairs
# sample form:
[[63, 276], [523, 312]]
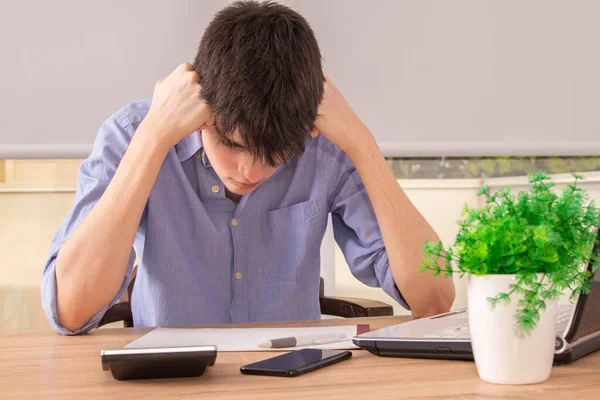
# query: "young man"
[[224, 181]]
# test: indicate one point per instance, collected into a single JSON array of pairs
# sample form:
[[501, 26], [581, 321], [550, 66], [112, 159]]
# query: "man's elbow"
[[73, 326], [72, 311], [71, 320], [439, 301]]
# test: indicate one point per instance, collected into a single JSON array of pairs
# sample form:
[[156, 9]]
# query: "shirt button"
[[234, 222], [199, 155], [215, 188], [238, 276]]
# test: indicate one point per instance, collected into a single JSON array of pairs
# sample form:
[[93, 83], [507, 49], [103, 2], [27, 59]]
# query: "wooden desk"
[[46, 365]]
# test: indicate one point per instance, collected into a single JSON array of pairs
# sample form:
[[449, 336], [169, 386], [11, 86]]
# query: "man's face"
[[238, 170]]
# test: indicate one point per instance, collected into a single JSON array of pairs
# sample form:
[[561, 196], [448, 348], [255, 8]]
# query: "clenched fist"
[[177, 109]]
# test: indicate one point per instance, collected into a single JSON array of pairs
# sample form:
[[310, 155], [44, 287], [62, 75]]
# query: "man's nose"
[[251, 172]]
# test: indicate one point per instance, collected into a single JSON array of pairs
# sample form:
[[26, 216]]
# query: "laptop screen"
[[587, 312]]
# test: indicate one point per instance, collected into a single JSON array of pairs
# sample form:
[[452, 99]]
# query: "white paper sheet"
[[239, 339]]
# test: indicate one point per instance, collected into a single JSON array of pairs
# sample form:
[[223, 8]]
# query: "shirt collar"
[[189, 146]]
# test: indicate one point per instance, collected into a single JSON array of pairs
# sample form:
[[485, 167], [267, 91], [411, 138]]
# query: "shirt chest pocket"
[[293, 236]]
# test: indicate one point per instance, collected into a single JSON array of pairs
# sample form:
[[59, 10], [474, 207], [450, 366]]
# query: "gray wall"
[[430, 78], [69, 64]]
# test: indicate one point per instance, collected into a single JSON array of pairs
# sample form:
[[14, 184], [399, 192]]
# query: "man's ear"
[[314, 132]]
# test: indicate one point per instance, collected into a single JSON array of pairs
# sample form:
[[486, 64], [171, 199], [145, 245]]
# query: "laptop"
[[446, 336]]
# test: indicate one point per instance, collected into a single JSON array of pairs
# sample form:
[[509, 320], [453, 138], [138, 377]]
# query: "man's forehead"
[[234, 137]]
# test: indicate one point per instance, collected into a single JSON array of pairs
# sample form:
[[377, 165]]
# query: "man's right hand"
[[177, 109], [88, 277]]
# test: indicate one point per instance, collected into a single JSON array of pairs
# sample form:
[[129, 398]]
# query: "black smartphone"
[[296, 362], [166, 362]]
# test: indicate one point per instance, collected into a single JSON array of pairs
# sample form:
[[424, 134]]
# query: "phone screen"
[[296, 362]]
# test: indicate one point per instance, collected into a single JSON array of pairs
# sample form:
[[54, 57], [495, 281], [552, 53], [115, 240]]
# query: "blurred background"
[[457, 94]]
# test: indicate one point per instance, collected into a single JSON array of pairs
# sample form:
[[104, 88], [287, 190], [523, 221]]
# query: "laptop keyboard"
[[462, 331], [563, 315]]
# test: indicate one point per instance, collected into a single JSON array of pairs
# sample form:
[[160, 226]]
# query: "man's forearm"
[[91, 264], [403, 228]]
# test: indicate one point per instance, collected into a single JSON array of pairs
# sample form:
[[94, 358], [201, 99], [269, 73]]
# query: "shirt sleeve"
[[356, 231], [93, 177]]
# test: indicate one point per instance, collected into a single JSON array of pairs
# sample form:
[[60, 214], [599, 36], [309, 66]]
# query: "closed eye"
[[227, 142], [232, 145]]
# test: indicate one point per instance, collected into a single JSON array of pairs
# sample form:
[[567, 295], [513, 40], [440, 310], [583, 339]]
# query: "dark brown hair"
[[260, 71]]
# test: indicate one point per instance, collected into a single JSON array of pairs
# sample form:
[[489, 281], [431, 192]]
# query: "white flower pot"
[[503, 353]]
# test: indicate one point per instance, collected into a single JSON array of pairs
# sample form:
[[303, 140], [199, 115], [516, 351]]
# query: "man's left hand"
[[337, 121]]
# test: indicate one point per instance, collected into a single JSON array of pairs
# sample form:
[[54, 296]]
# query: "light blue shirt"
[[204, 259]]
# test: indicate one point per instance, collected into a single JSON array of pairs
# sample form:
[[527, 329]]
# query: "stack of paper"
[[241, 339]]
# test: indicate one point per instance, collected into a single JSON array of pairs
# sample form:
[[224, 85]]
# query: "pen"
[[293, 341]]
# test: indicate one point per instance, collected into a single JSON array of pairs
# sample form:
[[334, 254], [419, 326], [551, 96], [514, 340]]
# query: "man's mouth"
[[246, 186]]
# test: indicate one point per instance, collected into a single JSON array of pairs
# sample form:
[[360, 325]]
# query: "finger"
[[185, 67], [194, 78], [158, 82]]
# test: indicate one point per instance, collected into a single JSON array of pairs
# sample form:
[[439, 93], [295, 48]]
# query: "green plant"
[[535, 232]]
